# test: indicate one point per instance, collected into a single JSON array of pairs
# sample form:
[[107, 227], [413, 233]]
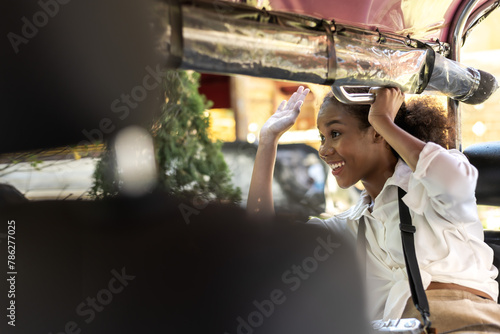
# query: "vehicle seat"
[[155, 264], [486, 158]]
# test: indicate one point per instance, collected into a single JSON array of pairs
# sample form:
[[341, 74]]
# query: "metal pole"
[[454, 37]]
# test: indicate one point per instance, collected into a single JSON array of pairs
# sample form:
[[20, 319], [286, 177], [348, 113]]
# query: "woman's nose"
[[325, 151]]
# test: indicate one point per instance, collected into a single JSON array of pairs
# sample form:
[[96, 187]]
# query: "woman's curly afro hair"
[[423, 117]]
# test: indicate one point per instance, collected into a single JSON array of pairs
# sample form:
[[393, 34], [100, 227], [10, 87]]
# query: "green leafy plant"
[[190, 163]]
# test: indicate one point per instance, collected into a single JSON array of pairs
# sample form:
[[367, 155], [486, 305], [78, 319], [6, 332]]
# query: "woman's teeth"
[[337, 165]]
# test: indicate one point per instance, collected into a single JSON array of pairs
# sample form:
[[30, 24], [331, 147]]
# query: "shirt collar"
[[399, 178]]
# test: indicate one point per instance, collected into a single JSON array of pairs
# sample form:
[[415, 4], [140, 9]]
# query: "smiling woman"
[[354, 153], [389, 146], [338, 123]]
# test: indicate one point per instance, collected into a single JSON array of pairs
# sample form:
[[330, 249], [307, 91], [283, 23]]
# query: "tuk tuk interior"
[[75, 257]]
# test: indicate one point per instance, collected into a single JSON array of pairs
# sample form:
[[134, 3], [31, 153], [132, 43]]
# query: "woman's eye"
[[335, 134], [321, 138]]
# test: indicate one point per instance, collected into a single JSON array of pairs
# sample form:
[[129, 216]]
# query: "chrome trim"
[[244, 40], [455, 33], [478, 16], [352, 98]]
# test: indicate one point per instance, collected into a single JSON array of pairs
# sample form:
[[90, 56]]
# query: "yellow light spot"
[[479, 128], [251, 138], [253, 127]]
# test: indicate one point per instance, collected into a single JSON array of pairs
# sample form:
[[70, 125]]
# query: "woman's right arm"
[[260, 196]]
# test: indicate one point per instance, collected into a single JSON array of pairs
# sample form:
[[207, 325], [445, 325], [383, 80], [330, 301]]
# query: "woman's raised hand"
[[284, 117], [260, 194], [386, 105], [381, 116]]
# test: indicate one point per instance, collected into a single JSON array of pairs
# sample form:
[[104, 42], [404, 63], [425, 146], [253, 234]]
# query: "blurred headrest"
[[75, 71], [486, 158]]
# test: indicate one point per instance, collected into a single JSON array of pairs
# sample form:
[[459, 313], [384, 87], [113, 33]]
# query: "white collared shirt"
[[449, 241]]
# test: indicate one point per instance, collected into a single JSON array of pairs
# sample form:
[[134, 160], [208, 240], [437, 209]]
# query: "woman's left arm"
[[381, 117], [447, 176]]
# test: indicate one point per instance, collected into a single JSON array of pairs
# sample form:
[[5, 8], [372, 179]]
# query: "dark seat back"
[[492, 238], [158, 265], [486, 158]]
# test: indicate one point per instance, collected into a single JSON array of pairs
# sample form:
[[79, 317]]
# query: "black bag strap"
[[407, 237], [407, 230], [361, 245]]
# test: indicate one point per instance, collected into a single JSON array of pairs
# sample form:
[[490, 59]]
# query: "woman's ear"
[[377, 138]]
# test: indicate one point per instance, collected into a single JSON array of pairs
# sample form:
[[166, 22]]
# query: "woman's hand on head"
[[381, 116], [386, 105], [284, 117]]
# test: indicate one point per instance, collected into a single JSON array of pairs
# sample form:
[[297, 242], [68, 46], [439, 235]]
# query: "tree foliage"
[[189, 162]]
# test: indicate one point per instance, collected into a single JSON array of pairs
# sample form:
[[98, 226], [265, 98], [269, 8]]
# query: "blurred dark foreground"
[[159, 265]]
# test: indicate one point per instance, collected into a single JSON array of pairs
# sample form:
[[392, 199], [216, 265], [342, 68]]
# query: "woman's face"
[[353, 154]]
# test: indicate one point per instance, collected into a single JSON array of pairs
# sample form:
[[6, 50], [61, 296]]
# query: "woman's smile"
[[353, 153], [336, 167]]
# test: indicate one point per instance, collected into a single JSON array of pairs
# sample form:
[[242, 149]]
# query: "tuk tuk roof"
[[425, 20]]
